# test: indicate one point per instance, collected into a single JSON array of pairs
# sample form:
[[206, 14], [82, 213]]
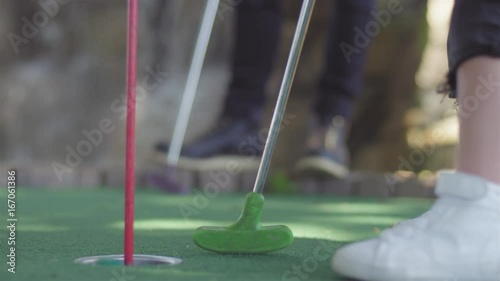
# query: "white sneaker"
[[457, 240]]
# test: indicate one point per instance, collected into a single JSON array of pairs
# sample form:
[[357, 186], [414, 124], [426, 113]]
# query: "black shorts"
[[474, 31]]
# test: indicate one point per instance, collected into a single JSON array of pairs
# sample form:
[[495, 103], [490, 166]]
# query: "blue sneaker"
[[233, 144], [326, 153]]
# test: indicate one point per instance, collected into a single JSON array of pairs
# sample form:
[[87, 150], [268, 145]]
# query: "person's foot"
[[233, 142], [326, 154], [458, 239]]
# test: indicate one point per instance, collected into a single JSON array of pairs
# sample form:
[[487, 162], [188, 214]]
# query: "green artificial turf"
[[56, 227]]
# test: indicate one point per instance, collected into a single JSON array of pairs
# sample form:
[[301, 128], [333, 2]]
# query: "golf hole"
[[139, 260]]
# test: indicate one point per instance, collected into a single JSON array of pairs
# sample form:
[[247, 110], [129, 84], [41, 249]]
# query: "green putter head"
[[247, 235]]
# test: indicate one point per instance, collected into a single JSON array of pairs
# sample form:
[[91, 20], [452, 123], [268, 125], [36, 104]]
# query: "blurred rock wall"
[[62, 83], [59, 85]]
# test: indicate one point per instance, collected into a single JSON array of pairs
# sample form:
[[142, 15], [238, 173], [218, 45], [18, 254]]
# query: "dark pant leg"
[[341, 80], [474, 31], [258, 31]]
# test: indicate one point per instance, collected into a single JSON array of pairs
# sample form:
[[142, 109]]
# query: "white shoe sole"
[[317, 165], [224, 162], [458, 239]]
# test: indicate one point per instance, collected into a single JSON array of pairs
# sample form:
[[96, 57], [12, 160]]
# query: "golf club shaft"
[[130, 132], [286, 85], [192, 82]]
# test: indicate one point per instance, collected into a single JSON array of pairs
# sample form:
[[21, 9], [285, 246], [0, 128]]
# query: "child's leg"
[[256, 46], [478, 94], [340, 82], [459, 238]]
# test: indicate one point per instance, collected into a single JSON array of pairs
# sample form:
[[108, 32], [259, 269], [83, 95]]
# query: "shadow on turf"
[[64, 246], [305, 259], [59, 227]]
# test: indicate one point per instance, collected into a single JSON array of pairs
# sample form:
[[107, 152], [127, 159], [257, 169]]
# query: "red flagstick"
[[133, 8]]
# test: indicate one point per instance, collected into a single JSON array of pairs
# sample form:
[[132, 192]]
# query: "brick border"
[[363, 184]]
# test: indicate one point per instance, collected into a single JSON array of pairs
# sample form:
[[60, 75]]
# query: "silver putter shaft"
[[192, 82], [286, 85]]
